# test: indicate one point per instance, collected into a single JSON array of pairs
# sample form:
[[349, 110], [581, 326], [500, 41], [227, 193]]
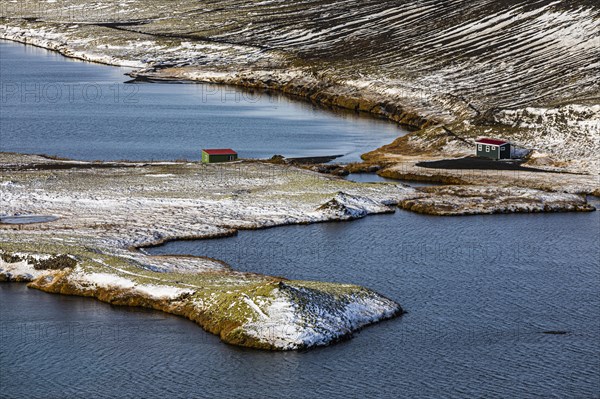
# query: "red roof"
[[219, 151], [492, 141]]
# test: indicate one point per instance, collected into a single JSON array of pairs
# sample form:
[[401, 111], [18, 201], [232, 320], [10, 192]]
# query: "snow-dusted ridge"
[[292, 324]]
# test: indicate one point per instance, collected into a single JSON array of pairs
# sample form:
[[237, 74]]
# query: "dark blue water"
[[480, 293], [375, 178], [57, 106]]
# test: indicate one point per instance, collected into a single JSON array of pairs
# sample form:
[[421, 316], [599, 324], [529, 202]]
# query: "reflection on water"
[[53, 105]]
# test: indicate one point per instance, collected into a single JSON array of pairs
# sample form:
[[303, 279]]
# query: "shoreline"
[[63, 50], [404, 118], [428, 139], [314, 97], [408, 120]]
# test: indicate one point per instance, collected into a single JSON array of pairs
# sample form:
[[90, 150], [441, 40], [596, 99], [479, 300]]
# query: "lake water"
[[480, 293], [27, 219], [375, 178], [58, 106]]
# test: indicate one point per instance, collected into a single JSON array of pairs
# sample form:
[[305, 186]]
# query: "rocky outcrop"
[[474, 200], [347, 207]]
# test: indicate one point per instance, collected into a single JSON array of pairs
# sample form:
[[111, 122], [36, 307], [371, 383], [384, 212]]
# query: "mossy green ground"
[[217, 300]]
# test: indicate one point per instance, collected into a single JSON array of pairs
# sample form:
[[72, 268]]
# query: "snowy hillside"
[[486, 62]]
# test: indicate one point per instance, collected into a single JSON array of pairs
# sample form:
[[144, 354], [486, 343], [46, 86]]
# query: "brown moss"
[[10, 258], [58, 262], [363, 167]]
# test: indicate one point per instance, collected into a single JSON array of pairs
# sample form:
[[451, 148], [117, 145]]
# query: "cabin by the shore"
[[215, 155], [493, 149]]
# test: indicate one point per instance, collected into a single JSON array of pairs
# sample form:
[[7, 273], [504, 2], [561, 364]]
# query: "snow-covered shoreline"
[[104, 213], [102, 216], [261, 313], [55, 42]]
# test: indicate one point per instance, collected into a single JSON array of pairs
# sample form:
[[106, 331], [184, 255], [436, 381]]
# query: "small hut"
[[218, 155], [493, 149]]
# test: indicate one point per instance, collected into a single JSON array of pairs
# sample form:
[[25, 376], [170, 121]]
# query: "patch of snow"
[[22, 270], [107, 280], [285, 325], [162, 291]]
